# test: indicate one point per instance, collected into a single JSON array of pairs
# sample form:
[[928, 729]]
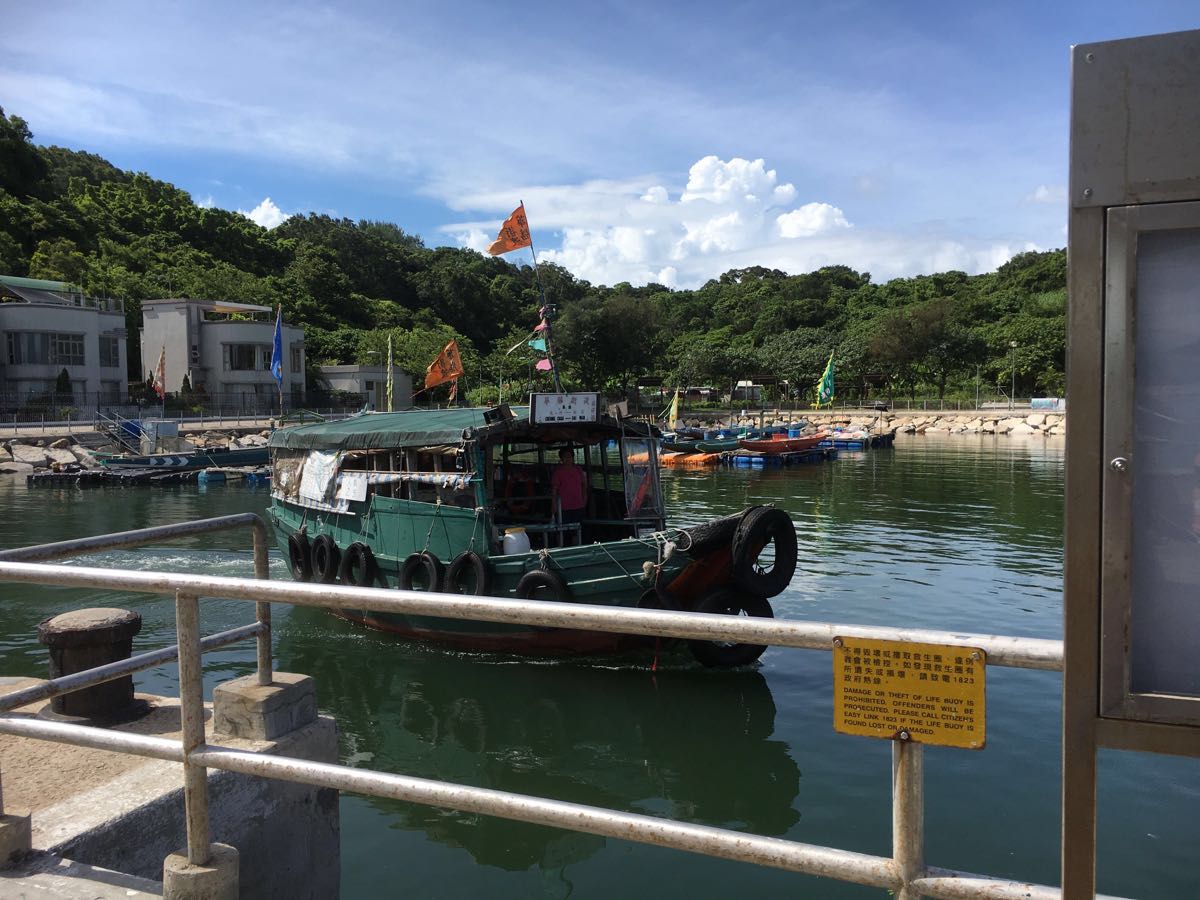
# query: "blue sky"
[[650, 141]]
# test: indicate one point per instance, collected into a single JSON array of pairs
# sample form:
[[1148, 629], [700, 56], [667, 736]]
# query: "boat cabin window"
[[621, 490]]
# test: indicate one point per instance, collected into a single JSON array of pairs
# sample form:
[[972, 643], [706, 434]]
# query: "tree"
[[22, 168], [62, 384]]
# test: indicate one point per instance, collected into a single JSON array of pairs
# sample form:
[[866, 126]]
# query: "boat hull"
[[199, 459], [605, 574]]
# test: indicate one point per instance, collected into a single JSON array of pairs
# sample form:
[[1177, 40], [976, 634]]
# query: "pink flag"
[[540, 327], [544, 365]]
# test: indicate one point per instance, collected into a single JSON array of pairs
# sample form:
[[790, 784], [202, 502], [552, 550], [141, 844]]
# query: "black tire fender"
[[468, 561], [536, 579], [761, 527], [325, 557], [298, 557], [730, 602], [426, 563], [358, 568]]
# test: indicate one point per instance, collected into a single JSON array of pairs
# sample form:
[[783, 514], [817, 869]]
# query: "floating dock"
[[869, 442], [744, 459]]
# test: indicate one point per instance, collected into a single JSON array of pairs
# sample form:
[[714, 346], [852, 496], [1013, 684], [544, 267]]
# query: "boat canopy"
[[425, 427]]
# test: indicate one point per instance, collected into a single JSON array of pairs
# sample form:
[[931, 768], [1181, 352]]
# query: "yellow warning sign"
[[925, 693]]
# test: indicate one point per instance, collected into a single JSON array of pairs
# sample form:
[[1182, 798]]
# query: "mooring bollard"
[[84, 639]]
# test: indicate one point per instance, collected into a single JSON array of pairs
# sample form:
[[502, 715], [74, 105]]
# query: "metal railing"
[[905, 872]]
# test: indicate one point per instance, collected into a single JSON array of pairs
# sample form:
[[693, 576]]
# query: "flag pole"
[[547, 309]]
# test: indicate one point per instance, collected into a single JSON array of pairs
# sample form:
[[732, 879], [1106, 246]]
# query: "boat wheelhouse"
[[463, 501]]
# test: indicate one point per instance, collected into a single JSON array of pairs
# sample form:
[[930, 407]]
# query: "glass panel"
[[1165, 562], [641, 495], [110, 354], [242, 357]]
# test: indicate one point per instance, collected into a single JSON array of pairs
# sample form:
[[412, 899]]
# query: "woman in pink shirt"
[[569, 483]]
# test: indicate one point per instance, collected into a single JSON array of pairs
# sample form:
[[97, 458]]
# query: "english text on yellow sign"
[[924, 693]]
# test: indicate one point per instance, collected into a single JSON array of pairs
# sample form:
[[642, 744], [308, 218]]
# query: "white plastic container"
[[515, 541]]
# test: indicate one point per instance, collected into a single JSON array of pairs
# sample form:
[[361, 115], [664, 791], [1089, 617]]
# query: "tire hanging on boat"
[[426, 563], [760, 528], [358, 568], [537, 579], [298, 557], [730, 602], [468, 561], [325, 559]]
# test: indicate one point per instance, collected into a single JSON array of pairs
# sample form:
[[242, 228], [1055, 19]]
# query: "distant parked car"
[[880, 405]]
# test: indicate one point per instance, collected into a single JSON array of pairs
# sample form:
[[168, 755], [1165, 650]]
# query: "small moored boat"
[[191, 459], [781, 443], [463, 501]]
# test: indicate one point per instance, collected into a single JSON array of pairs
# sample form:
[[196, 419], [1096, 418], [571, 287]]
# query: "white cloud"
[[205, 202], [731, 214], [810, 219], [266, 214], [475, 239], [738, 180]]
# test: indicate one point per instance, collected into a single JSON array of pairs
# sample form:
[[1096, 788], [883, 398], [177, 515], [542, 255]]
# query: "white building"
[[48, 326], [371, 382], [224, 348]]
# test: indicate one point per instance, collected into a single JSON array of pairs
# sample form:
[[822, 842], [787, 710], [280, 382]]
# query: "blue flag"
[[277, 352]]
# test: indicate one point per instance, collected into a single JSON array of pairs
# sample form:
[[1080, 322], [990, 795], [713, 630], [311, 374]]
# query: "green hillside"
[[72, 216]]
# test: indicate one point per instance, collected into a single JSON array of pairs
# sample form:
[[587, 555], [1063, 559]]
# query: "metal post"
[[908, 814], [262, 569], [191, 699], [1012, 393]]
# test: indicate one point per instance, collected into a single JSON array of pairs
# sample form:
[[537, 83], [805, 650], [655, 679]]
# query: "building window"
[[110, 352], [32, 348], [297, 359], [247, 357], [68, 349], [110, 392]]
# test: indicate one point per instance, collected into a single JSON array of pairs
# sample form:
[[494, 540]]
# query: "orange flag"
[[514, 233], [447, 367]]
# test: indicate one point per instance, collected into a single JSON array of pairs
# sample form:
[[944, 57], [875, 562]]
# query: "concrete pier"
[[125, 814]]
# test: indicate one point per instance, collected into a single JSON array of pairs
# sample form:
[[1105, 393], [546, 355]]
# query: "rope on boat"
[[617, 563]]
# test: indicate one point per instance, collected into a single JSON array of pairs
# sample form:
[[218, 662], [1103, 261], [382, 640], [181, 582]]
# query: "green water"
[[951, 533]]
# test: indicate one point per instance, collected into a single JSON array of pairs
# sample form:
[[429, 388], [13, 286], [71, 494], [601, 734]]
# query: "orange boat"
[[781, 443]]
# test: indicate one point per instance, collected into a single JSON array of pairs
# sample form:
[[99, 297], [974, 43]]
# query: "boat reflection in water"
[[686, 742]]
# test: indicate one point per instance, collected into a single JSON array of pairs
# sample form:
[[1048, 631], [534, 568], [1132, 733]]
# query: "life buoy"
[[537, 580], [479, 574], [730, 602], [358, 568], [518, 491], [429, 567], [325, 559], [763, 527], [298, 557]]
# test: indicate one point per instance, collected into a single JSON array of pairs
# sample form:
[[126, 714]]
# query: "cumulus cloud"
[[266, 214], [810, 219], [729, 214]]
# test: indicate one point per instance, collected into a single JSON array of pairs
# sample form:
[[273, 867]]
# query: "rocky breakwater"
[[1052, 424], [1033, 424], [23, 457]]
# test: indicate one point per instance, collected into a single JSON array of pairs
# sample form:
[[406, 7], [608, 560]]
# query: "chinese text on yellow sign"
[[926, 693]]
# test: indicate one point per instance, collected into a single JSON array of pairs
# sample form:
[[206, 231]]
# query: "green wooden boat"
[[460, 501]]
